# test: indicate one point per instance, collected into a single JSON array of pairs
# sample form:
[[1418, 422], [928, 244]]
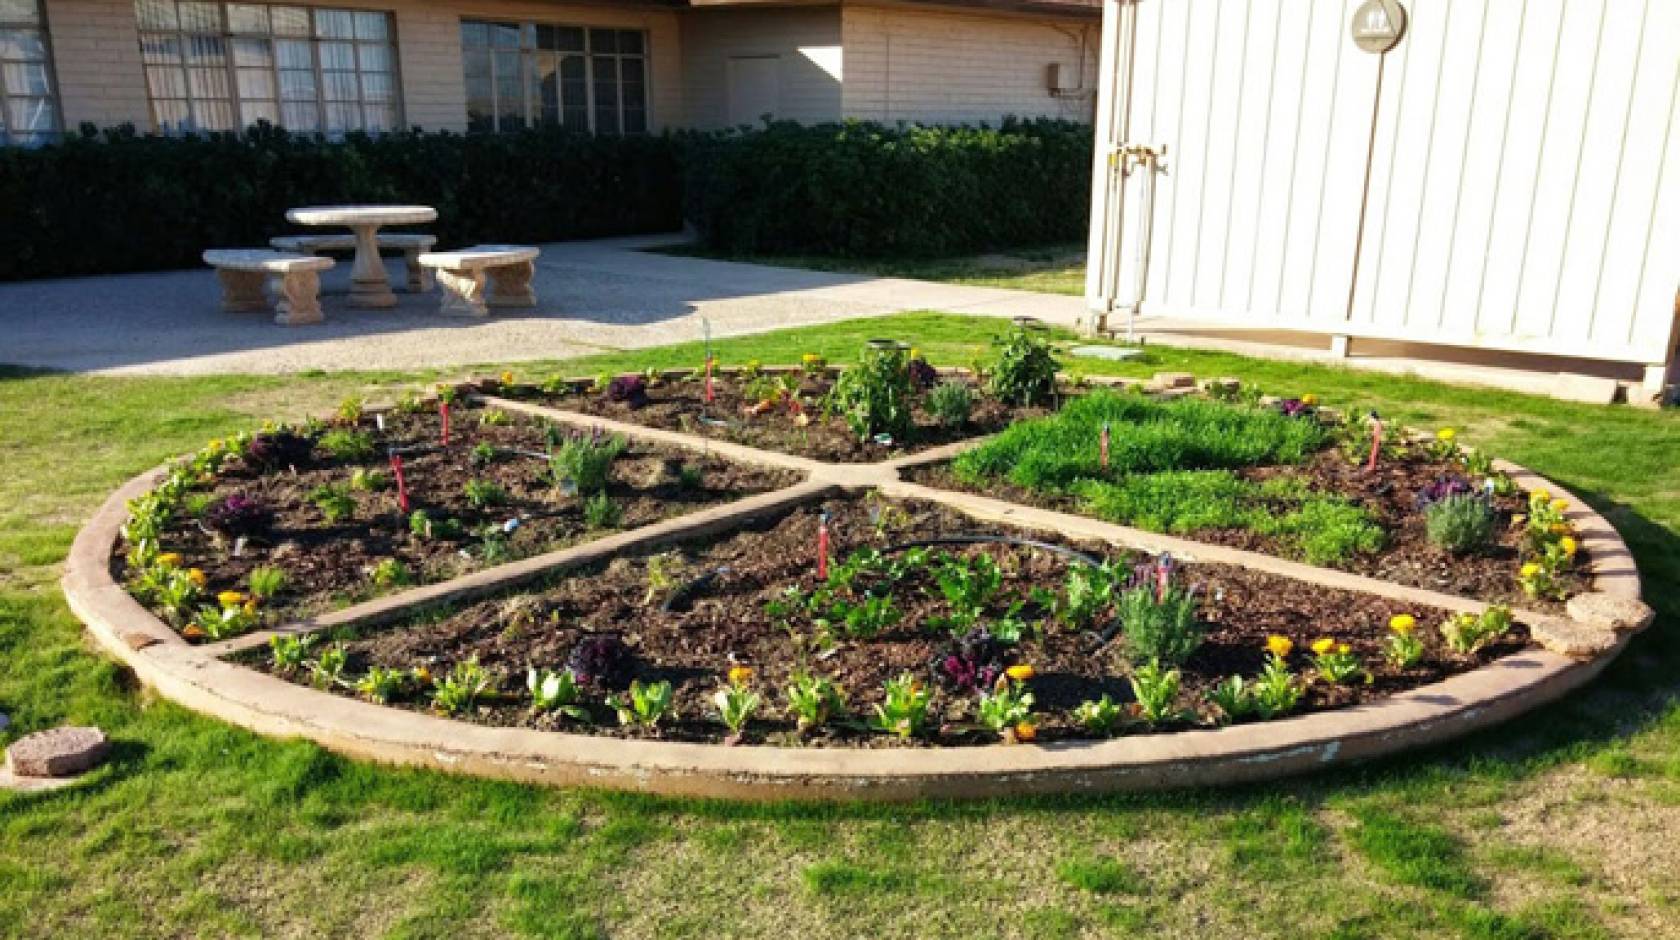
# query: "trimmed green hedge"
[[102, 203], [119, 201], [868, 190]]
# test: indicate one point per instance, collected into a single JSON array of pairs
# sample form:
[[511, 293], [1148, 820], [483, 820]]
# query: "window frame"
[[10, 136], [528, 53], [228, 35]]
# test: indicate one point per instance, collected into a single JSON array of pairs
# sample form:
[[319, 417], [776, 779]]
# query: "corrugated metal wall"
[[1505, 177]]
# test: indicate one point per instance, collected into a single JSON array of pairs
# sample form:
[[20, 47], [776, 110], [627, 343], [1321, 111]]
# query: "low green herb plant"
[[602, 512], [1337, 663], [367, 480], [348, 445], [950, 403], [1156, 689], [585, 464], [736, 704], [1234, 697], [814, 701], [333, 501], [290, 652], [556, 692], [459, 691], [1008, 704], [1101, 717], [482, 494], [1468, 633], [645, 705], [903, 710], [1463, 524], [328, 670], [1159, 625], [381, 685], [266, 581], [390, 573]]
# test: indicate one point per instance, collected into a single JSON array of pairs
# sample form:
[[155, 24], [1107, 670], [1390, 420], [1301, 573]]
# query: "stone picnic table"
[[369, 286]]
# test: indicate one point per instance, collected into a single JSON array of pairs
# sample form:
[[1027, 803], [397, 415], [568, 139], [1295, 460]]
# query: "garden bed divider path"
[[199, 677]]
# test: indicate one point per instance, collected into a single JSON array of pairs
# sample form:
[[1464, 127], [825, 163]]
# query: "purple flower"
[[238, 515], [1293, 408], [628, 389], [277, 450], [971, 664], [1442, 488], [602, 660]]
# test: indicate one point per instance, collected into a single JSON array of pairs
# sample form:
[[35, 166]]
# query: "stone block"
[[58, 752], [1610, 612]]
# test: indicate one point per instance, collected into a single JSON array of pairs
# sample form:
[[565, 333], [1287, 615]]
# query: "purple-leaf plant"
[[238, 515], [602, 660]]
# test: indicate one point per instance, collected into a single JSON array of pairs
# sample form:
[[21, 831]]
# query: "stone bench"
[[409, 243], [244, 272], [461, 277]]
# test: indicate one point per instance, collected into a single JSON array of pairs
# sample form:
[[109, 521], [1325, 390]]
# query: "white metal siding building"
[[1505, 177]]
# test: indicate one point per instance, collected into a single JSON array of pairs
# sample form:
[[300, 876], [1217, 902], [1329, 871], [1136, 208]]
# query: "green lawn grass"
[[1560, 825], [1051, 269]]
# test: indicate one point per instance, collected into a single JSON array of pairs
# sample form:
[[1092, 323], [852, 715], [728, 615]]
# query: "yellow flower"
[[1542, 496], [1323, 645], [1558, 528], [1559, 505], [507, 378], [915, 353], [230, 598], [1568, 545], [193, 631], [422, 673], [1445, 435], [215, 446], [1402, 624], [1021, 673], [251, 607], [169, 560], [196, 576], [1530, 569], [1026, 731], [1343, 648], [1279, 646], [1309, 399], [739, 675]]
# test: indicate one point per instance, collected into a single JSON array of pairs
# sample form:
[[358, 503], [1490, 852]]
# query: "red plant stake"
[[822, 548], [1376, 443], [1163, 577], [709, 395], [1103, 446], [443, 409], [402, 485]]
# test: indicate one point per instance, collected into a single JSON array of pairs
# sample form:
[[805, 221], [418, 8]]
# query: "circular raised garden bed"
[[696, 595]]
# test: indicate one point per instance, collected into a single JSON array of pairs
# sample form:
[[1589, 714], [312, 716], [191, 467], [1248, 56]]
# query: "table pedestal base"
[[369, 285]]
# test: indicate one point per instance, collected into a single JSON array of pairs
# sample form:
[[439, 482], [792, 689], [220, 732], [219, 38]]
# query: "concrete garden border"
[[1576, 649]]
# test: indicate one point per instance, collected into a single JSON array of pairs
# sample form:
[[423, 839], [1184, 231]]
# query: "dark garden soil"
[[737, 416], [725, 622], [329, 564], [1390, 496]]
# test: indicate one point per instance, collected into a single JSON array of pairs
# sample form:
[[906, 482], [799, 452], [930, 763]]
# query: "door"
[[755, 88]]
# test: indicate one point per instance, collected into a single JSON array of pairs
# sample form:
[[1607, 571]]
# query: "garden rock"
[[59, 752], [1166, 380], [1571, 638], [1610, 612]]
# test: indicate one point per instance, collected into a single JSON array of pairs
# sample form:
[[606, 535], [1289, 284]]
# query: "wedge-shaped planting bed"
[[1028, 568]]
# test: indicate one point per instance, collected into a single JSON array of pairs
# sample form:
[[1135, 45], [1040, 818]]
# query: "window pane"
[[476, 64], [475, 34], [201, 17], [19, 11], [208, 83], [253, 53], [166, 82], [250, 112], [297, 85], [603, 40], [379, 117], [339, 86], [568, 38], [247, 18], [27, 78], [371, 26], [300, 117], [635, 121], [505, 35], [546, 75], [374, 58], [255, 83], [630, 71], [379, 89], [293, 54], [634, 96], [156, 14], [481, 104], [290, 21], [31, 114], [206, 50], [630, 41], [335, 24], [172, 116], [22, 44], [337, 55], [160, 50], [213, 115], [343, 117]]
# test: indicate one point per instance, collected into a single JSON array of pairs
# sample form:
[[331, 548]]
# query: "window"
[[223, 66], [523, 75], [28, 109]]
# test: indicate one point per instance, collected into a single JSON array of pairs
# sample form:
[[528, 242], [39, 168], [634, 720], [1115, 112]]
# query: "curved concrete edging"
[[198, 678]]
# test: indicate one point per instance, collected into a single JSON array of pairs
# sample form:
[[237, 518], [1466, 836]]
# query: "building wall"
[[951, 67], [805, 42], [96, 55]]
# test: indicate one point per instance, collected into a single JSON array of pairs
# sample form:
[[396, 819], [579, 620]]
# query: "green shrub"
[[347, 445], [585, 463], [950, 403], [1025, 373], [232, 190], [874, 395], [1461, 524], [869, 190], [1159, 628]]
